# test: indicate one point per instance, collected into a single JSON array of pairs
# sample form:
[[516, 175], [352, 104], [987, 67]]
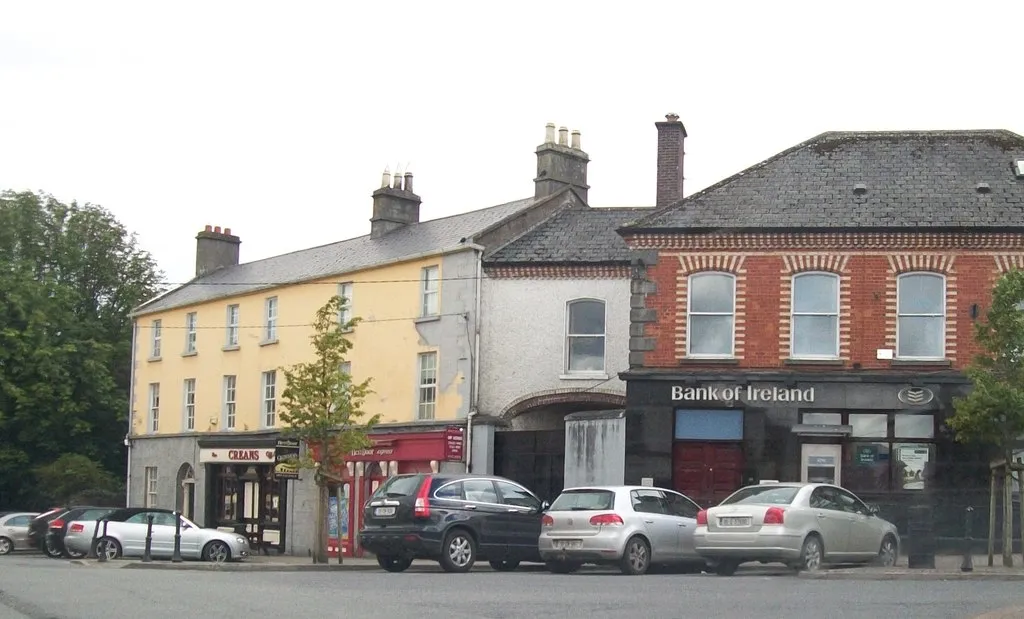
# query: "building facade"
[[809, 318]]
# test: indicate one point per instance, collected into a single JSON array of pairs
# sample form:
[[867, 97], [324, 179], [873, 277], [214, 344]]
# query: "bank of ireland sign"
[[745, 393]]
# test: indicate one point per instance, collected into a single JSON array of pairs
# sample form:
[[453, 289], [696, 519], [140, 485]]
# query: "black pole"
[[176, 557], [95, 537], [968, 563], [103, 554], [146, 556]]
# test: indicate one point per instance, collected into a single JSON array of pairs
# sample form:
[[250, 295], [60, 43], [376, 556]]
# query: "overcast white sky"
[[276, 119]]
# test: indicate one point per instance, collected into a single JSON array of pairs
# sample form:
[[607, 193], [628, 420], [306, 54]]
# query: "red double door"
[[707, 472]]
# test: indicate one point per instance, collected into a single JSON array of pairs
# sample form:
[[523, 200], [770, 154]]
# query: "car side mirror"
[[873, 510]]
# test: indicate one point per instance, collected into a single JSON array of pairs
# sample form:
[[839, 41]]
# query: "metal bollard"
[[103, 553], [147, 554], [967, 565], [176, 557], [95, 538]]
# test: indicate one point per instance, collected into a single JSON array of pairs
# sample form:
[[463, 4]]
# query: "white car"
[[800, 524], [126, 537]]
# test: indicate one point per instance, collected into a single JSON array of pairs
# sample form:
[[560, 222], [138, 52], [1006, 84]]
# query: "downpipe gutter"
[[131, 401], [475, 386]]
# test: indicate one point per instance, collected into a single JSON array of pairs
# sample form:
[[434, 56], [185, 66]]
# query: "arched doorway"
[[185, 491]]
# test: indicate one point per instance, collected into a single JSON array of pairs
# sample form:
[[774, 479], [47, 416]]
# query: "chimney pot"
[[549, 133], [227, 231], [385, 179], [398, 181], [216, 229], [576, 139], [563, 136], [209, 228], [670, 117], [408, 182]]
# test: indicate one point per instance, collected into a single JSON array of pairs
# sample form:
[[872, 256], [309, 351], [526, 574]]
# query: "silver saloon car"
[[800, 524], [14, 531], [126, 537], [633, 527]]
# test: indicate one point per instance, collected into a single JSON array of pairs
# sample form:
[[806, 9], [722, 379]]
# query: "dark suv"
[[452, 519]]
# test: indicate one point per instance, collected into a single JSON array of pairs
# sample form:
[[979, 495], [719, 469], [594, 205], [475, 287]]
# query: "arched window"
[[815, 321], [711, 315], [921, 316], [584, 336]]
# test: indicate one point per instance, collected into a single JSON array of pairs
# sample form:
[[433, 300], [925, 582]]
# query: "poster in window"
[[912, 463]]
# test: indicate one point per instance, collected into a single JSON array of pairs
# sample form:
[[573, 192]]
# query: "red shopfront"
[[391, 454]]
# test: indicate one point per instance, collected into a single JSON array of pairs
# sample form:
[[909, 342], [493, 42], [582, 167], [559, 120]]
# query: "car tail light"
[[422, 507], [56, 523], [611, 520], [547, 521], [774, 515], [702, 517], [77, 527]]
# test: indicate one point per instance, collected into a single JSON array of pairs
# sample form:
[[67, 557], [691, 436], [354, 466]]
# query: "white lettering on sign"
[[748, 393]]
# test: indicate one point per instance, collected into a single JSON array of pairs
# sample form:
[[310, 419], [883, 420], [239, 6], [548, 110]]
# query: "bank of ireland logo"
[[915, 396]]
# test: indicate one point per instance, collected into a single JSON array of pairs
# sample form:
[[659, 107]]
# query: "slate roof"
[[914, 179], [579, 234], [362, 252]]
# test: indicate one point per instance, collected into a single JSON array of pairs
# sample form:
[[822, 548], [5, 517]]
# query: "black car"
[[58, 528], [37, 528], [452, 519]]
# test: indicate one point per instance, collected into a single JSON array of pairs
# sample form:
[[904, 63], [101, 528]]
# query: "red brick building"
[[808, 318]]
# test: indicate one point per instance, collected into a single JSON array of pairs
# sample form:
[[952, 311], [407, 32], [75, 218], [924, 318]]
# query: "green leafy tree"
[[70, 274], [74, 476], [323, 408], [992, 414]]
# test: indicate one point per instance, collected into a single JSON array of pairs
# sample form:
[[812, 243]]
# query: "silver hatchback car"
[[633, 527], [803, 525]]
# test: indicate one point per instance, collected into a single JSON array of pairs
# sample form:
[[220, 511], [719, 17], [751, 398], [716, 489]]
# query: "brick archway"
[[580, 399]]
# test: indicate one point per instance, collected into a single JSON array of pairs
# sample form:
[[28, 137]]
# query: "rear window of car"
[[763, 495], [583, 500], [406, 485], [93, 514]]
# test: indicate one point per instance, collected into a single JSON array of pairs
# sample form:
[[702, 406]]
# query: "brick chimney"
[[215, 249], [561, 164], [394, 204], [671, 135]]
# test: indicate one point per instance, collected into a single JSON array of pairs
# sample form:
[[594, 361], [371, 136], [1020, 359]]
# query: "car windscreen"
[[583, 500], [403, 485], [763, 495]]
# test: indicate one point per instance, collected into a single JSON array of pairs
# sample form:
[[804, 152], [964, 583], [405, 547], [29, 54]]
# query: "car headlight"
[[241, 540]]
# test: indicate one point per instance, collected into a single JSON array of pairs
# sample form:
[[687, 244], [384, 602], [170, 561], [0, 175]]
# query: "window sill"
[[154, 359], [423, 319], [347, 330], [584, 376], [709, 361], [268, 342], [922, 362], [799, 361], [190, 354], [231, 348]]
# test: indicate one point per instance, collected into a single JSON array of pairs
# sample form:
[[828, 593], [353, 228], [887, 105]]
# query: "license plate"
[[734, 522], [568, 544], [384, 511]]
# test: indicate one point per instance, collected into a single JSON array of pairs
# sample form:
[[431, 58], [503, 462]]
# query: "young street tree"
[[323, 408], [992, 414]]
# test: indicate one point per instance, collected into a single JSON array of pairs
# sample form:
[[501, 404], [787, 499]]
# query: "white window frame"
[[793, 314], [346, 368], [188, 403], [690, 314], [426, 409], [191, 326], [229, 391], [899, 315], [154, 407], [345, 311], [268, 398], [156, 343], [569, 336], [233, 314], [270, 314], [430, 295], [151, 486]]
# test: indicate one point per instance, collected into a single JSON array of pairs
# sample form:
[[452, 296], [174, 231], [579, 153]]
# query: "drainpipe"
[[475, 387], [131, 401]]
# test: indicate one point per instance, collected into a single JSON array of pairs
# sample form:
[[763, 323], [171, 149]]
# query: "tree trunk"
[[320, 534], [1007, 515]]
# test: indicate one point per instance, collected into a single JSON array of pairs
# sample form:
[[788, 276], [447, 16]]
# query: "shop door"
[[821, 464], [707, 472]]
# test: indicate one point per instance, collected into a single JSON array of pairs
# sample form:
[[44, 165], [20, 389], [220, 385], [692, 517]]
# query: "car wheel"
[[110, 547], [459, 551], [562, 567], [726, 568], [217, 552], [887, 554], [505, 565], [393, 563], [636, 558], [6, 546], [811, 554], [51, 549]]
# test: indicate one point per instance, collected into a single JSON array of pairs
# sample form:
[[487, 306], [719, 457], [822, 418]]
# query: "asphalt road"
[[38, 588]]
